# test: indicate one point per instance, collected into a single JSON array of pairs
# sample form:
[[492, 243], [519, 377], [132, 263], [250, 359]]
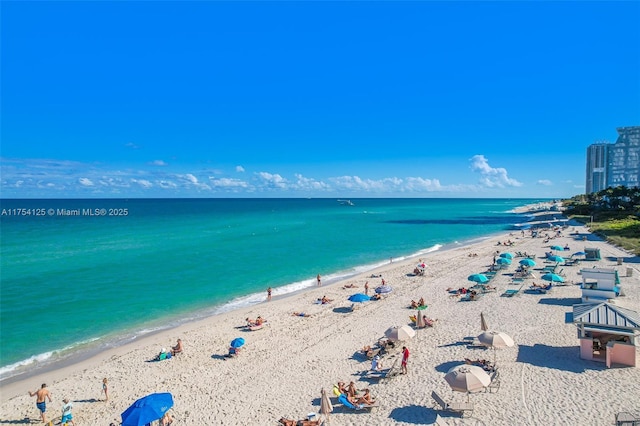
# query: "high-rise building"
[[611, 165], [597, 167]]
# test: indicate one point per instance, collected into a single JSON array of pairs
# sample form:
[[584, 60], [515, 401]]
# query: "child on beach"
[[105, 389]]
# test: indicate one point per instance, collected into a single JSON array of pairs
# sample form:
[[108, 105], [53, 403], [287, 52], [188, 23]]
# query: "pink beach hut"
[[607, 333]]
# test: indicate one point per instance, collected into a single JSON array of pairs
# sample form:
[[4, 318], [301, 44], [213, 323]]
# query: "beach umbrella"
[[495, 340], [528, 262], [579, 253], [483, 322], [467, 378], [503, 261], [147, 409], [558, 248], [404, 332], [384, 289], [420, 320], [325, 404], [557, 259], [478, 278], [237, 342], [359, 298], [506, 255], [555, 278]]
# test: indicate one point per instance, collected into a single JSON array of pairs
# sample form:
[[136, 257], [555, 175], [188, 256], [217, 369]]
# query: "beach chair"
[[495, 382], [385, 373], [511, 292], [456, 407], [342, 399]]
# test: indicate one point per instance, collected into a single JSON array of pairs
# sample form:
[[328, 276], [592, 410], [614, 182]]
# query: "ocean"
[[79, 276]]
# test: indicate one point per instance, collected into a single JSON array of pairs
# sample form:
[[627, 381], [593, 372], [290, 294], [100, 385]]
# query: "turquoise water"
[[74, 283]]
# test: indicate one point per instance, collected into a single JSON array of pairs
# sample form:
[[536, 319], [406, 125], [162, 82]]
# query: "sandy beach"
[[283, 367]]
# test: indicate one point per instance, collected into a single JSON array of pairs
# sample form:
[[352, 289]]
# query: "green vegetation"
[[613, 213]]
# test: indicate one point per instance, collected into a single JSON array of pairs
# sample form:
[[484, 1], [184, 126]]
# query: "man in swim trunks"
[[41, 394]]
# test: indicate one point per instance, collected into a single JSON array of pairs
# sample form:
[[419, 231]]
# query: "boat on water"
[[346, 202]]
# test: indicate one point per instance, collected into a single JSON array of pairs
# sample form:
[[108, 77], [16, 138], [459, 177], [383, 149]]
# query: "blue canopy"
[[237, 342], [478, 278], [359, 297], [528, 262], [148, 409], [553, 278]]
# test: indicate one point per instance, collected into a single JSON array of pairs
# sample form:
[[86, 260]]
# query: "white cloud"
[[142, 182], [545, 182], [85, 182], [309, 184], [489, 176], [131, 145], [158, 163], [239, 169], [167, 184], [228, 183], [272, 180], [421, 184]]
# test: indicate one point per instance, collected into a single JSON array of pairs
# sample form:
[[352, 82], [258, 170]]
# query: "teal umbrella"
[[527, 262], [558, 248], [503, 261], [507, 255], [478, 278], [557, 259], [554, 278]]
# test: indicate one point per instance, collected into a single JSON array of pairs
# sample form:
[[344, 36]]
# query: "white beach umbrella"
[[494, 340], [403, 332], [325, 404], [467, 378]]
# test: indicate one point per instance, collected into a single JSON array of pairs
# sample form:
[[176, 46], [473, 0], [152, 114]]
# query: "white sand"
[[284, 366]]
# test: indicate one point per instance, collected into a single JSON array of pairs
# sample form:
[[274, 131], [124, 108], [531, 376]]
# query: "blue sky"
[[312, 99]]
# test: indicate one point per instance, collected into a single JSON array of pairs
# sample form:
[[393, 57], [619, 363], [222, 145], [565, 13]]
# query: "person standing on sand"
[[366, 288], [318, 278], [105, 389], [67, 417], [269, 294], [405, 358], [41, 394]]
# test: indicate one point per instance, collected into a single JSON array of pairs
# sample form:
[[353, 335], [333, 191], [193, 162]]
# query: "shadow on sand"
[[565, 358], [560, 301], [415, 415]]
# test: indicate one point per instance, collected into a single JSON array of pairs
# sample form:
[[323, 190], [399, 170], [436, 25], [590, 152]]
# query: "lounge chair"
[[511, 292], [385, 373], [495, 382], [456, 407], [342, 399]]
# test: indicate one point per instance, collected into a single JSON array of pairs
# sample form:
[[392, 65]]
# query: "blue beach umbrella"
[[579, 253], [359, 297], [478, 278], [553, 278], [558, 248], [237, 342], [557, 259], [506, 255], [503, 261], [148, 409], [527, 262]]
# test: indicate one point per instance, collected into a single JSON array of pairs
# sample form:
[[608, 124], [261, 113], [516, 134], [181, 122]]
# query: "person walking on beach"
[[41, 395], [269, 294], [318, 278], [366, 288], [67, 417], [405, 358], [105, 389]]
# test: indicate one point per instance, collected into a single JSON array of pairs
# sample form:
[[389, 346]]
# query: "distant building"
[[611, 165]]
